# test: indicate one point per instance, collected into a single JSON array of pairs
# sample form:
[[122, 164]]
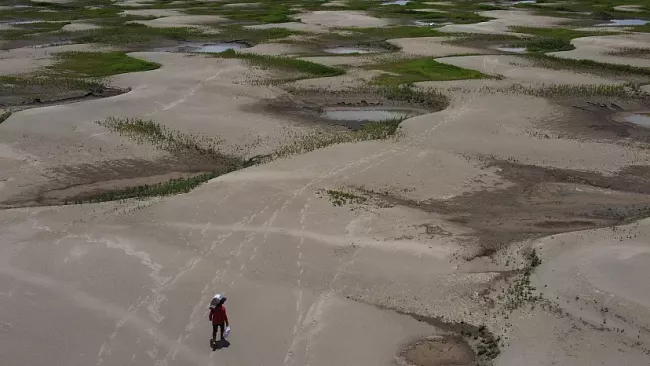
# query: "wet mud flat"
[[459, 344], [438, 351], [86, 182], [352, 109], [27, 92], [603, 118], [204, 47], [540, 201], [37, 40]]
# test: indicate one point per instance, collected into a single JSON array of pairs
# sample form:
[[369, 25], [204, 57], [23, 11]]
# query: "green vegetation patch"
[[642, 28], [252, 35], [58, 12], [550, 39], [460, 13], [423, 69], [262, 14], [395, 32], [588, 66], [99, 64], [26, 31], [543, 45], [284, 63], [133, 35]]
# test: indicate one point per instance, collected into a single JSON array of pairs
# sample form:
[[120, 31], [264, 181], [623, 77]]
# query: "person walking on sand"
[[218, 316]]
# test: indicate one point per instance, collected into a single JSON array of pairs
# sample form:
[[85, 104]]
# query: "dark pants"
[[215, 327]]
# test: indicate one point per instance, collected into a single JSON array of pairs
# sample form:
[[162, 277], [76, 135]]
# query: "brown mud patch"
[[32, 96], [542, 201], [439, 351], [593, 118], [80, 183], [465, 343], [37, 40]]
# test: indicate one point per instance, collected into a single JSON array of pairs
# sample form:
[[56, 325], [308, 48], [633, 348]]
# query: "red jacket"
[[218, 315]]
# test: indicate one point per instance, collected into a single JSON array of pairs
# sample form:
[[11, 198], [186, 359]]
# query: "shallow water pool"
[[348, 50], [512, 49], [641, 119], [396, 2], [623, 23], [423, 23], [219, 47], [367, 114]]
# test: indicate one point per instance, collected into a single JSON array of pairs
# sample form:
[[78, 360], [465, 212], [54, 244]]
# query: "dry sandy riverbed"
[[451, 209]]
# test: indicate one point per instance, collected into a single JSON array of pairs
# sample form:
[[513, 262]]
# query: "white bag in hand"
[[226, 333]]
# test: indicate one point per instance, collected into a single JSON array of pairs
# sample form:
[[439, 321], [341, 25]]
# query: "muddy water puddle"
[[356, 117], [428, 23], [640, 118], [512, 49], [424, 23], [212, 47], [396, 2], [22, 22], [439, 351], [623, 23]]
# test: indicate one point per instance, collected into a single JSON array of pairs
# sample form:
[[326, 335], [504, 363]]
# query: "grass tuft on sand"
[[424, 69], [341, 198]]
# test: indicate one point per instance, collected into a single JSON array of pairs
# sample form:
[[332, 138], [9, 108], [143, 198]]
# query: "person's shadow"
[[219, 344]]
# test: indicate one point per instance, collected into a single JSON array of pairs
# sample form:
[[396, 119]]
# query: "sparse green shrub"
[[548, 45], [341, 198]]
